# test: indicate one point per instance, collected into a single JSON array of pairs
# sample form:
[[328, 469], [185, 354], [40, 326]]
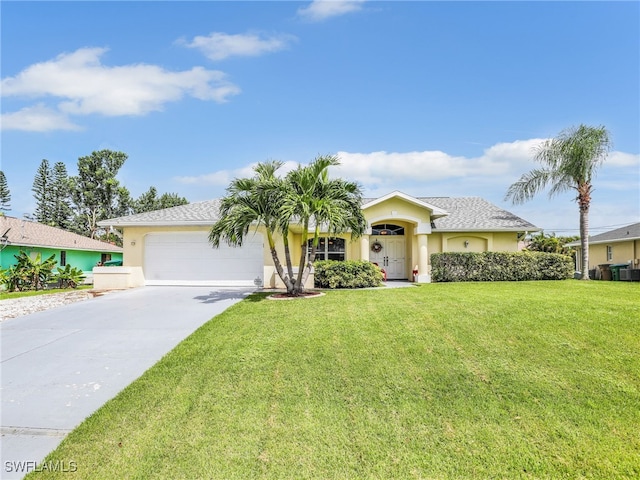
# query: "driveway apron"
[[61, 365]]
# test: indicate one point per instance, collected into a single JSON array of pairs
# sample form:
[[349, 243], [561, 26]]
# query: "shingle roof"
[[464, 214], [198, 213], [17, 231], [472, 213], [475, 213], [630, 232]]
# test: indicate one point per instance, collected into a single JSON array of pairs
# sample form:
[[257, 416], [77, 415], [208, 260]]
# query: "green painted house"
[[69, 248]]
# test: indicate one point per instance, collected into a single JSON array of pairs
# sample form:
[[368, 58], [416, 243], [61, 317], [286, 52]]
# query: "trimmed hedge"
[[347, 274], [500, 266]]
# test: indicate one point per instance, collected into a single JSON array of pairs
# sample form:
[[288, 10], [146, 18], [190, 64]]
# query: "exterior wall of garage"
[[133, 241], [132, 274]]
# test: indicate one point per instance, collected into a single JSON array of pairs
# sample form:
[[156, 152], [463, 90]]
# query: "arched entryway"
[[388, 249]]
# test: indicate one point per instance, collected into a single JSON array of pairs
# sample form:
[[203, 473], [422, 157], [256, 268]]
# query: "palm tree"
[[305, 196], [251, 202], [315, 200], [569, 162]]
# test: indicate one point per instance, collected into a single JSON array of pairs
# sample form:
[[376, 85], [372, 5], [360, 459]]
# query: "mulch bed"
[[286, 296]]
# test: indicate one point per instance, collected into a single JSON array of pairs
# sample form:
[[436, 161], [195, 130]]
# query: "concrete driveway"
[[60, 365]]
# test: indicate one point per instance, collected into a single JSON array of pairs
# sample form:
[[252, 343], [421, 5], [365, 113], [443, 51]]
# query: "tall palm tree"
[[316, 201], [251, 202], [305, 196], [569, 162]]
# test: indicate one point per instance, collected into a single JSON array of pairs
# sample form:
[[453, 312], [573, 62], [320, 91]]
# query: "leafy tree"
[[42, 193], [96, 193], [146, 202], [61, 212], [168, 200], [549, 243], [149, 201], [5, 194], [305, 196], [569, 162]]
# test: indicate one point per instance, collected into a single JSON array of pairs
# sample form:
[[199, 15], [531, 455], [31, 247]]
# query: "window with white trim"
[[609, 253], [63, 258], [329, 248], [387, 229]]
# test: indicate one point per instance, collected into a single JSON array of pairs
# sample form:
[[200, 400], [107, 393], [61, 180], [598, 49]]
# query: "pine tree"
[[60, 197], [5, 194], [42, 193], [147, 201], [171, 200]]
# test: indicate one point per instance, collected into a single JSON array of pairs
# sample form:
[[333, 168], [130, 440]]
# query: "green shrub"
[[69, 277], [500, 266], [29, 273], [347, 274]]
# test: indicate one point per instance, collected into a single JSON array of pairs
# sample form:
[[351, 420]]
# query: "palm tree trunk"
[[287, 254], [312, 255], [288, 281], [584, 235], [299, 287]]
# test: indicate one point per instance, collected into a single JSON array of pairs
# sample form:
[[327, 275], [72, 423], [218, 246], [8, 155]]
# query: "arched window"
[[387, 229], [329, 248]]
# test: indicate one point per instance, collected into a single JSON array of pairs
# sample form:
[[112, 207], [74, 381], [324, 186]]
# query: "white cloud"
[[378, 169], [86, 86], [320, 10], [621, 159], [38, 118], [222, 178], [437, 173], [218, 45]]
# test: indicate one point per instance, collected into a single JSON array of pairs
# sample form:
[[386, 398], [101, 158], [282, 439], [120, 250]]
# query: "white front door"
[[391, 257]]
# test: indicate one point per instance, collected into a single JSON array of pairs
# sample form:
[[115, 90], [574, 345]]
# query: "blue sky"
[[429, 98]]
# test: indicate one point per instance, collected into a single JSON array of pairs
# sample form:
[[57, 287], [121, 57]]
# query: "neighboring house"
[[69, 248], [171, 247], [615, 247]]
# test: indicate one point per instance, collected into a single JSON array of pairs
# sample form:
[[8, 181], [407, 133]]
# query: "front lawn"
[[442, 381]]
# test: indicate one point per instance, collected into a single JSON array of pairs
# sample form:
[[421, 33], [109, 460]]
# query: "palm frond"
[[528, 186]]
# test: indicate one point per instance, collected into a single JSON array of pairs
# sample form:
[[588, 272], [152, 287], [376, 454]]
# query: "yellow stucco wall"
[[623, 252], [396, 210], [392, 211], [477, 242]]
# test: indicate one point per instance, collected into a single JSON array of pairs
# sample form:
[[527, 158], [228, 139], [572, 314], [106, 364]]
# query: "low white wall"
[[115, 278]]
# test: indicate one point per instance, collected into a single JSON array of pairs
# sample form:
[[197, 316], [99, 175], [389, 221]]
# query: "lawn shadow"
[[216, 296]]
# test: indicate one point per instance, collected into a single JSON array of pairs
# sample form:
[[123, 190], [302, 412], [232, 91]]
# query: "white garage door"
[[189, 259]]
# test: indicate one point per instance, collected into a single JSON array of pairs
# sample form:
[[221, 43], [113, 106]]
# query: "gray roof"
[[472, 213], [464, 214], [622, 234], [21, 232], [198, 213], [475, 213]]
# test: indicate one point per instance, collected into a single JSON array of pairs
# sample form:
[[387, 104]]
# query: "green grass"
[[4, 295], [443, 381]]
